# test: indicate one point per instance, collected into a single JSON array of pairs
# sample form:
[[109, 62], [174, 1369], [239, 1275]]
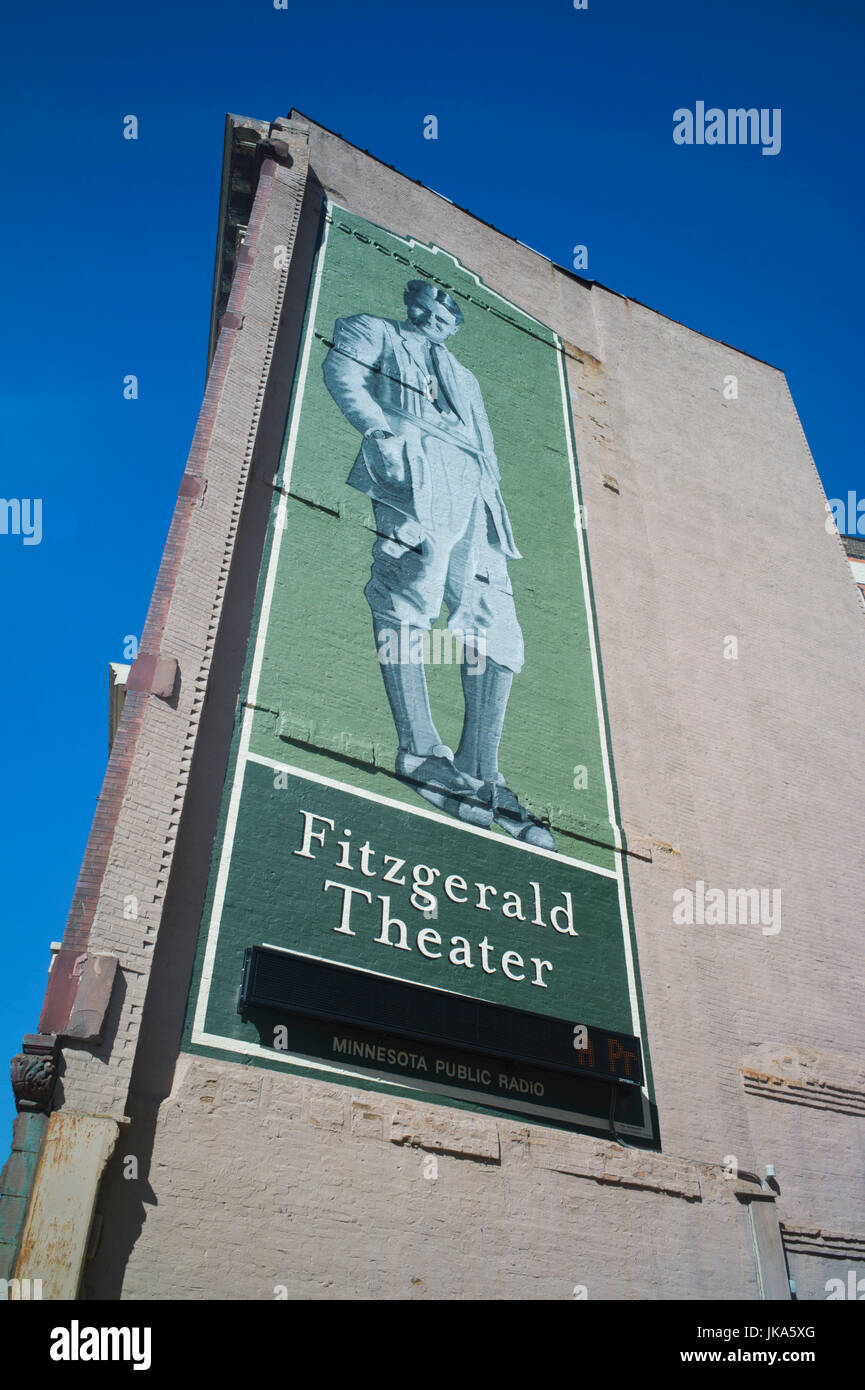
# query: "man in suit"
[[428, 464]]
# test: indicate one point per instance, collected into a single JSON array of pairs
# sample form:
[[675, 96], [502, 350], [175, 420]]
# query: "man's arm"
[[350, 369], [480, 413]]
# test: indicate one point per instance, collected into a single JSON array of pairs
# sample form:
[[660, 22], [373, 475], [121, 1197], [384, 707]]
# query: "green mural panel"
[[487, 481]]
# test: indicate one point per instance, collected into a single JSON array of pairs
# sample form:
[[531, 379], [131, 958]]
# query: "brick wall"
[[705, 522]]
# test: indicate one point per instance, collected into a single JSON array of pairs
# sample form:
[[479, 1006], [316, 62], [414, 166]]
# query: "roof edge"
[[295, 114]]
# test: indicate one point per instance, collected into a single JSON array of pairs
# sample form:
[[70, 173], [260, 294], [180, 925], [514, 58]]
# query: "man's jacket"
[[377, 374]]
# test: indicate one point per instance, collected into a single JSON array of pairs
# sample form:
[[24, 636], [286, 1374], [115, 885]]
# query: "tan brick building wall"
[[705, 523]]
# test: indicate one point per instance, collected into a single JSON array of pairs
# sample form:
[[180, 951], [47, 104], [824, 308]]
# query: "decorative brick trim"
[[234, 320], [154, 674], [820, 1095], [604, 1162], [831, 1245], [34, 1073], [229, 318], [470, 1136]]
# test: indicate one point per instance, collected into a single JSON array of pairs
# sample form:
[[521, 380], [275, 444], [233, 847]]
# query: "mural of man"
[[428, 464]]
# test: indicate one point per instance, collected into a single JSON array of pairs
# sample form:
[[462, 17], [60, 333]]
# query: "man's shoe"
[[434, 777], [435, 771], [514, 818]]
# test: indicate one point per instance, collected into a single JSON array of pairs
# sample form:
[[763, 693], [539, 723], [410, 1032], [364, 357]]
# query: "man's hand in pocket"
[[387, 457]]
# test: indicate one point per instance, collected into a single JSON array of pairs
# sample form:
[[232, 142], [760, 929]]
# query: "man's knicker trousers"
[[456, 559]]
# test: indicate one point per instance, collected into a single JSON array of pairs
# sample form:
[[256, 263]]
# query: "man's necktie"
[[442, 402]]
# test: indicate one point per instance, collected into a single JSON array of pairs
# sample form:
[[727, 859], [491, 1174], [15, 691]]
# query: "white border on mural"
[[244, 756]]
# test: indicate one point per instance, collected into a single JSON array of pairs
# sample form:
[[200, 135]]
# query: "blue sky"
[[554, 124]]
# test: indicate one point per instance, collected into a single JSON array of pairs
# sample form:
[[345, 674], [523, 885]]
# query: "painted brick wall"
[[740, 773], [266, 1183]]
